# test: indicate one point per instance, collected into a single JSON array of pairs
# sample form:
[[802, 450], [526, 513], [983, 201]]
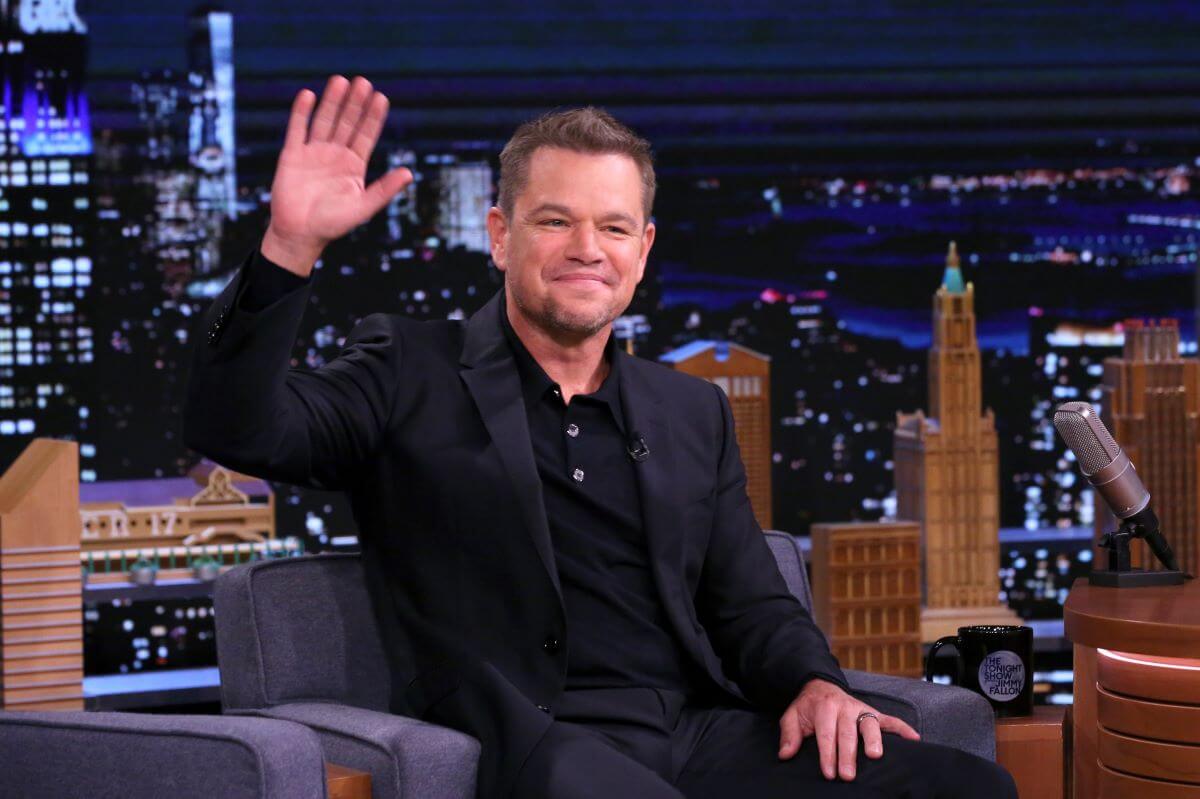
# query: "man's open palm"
[[319, 193]]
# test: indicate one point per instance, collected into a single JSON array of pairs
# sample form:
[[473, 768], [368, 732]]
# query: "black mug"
[[995, 661]]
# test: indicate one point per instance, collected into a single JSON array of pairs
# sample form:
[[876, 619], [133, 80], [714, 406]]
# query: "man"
[[556, 536]]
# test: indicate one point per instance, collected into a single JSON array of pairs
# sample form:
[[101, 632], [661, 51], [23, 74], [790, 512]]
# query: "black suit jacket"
[[423, 425]]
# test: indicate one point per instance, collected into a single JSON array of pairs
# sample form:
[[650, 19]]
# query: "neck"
[[575, 362]]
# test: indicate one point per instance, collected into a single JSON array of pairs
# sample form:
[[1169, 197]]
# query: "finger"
[[385, 188], [898, 726], [826, 731], [789, 733], [352, 110], [847, 744], [370, 127], [297, 128], [328, 108], [872, 738]]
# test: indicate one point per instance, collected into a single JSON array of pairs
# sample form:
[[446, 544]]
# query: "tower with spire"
[[947, 472]]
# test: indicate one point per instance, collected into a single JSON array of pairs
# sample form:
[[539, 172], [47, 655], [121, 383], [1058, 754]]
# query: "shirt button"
[[557, 392], [550, 645], [544, 708], [577, 475], [572, 430]]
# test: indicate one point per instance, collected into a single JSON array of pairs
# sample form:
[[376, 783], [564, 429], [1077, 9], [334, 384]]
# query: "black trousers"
[[643, 743]]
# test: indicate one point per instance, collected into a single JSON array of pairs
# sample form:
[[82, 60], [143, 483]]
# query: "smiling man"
[[556, 536]]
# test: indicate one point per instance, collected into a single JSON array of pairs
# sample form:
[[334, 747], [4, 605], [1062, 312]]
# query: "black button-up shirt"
[[617, 631]]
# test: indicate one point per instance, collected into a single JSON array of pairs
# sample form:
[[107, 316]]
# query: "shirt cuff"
[[267, 283]]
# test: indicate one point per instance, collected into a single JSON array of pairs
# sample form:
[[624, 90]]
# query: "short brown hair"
[[581, 130]]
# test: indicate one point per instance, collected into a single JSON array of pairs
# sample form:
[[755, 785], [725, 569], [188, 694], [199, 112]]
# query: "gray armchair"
[[296, 640], [73, 754]]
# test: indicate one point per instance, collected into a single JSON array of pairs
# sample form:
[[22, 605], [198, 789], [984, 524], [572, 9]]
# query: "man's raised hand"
[[319, 193]]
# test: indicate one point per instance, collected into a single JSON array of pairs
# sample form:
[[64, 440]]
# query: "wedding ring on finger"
[[866, 714]]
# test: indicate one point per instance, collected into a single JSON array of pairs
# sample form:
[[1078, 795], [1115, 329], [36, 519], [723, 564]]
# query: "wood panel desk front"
[[1032, 750], [1136, 719]]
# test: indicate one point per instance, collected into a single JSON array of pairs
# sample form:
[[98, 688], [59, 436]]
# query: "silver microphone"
[[1111, 473], [1102, 461]]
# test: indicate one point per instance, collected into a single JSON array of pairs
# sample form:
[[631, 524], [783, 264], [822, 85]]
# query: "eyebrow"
[[562, 209]]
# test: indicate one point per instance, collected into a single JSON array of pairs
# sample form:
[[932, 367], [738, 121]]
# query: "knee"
[[981, 778], [944, 771], [572, 763]]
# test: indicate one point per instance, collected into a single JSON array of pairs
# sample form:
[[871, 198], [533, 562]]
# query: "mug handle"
[[951, 640]]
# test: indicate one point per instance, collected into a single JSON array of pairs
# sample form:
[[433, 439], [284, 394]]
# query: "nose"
[[584, 245]]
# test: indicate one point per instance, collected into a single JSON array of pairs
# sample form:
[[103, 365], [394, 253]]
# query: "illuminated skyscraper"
[[947, 472], [401, 212], [211, 143], [1151, 404], [45, 207], [464, 199], [1068, 360], [159, 97], [745, 377], [181, 232]]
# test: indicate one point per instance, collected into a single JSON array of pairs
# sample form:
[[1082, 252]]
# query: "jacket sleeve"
[[247, 409], [767, 640], [266, 282]]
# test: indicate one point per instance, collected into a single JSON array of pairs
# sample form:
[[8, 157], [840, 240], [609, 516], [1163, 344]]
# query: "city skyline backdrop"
[[814, 167]]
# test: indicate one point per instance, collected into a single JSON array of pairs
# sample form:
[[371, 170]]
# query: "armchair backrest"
[[303, 629], [299, 629], [790, 558]]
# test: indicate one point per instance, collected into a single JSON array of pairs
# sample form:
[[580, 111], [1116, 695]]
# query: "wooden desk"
[[346, 783], [1136, 718], [1032, 749]]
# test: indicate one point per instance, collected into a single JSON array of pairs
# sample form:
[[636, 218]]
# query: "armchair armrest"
[[405, 756], [140, 756], [943, 714]]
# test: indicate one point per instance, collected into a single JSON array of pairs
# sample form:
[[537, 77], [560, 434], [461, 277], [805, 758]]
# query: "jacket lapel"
[[658, 488], [490, 374]]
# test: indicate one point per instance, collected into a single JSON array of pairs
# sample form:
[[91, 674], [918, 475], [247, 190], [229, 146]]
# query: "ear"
[[647, 243], [497, 225]]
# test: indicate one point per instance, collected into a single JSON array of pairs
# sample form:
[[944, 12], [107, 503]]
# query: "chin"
[[579, 319]]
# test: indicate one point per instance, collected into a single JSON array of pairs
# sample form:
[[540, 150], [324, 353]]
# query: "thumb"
[[379, 193], [789, 733]]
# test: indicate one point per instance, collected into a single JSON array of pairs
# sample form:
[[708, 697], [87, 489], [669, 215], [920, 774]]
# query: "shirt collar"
[[535, 383]]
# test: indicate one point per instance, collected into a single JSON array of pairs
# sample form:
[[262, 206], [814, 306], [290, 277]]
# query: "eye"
[[618, 230], [554, 222]]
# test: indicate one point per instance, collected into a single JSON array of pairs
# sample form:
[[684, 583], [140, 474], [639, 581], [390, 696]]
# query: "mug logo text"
[[1002, 676]]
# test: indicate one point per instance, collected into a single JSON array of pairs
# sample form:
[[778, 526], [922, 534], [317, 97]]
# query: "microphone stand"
[[1119, 574]]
